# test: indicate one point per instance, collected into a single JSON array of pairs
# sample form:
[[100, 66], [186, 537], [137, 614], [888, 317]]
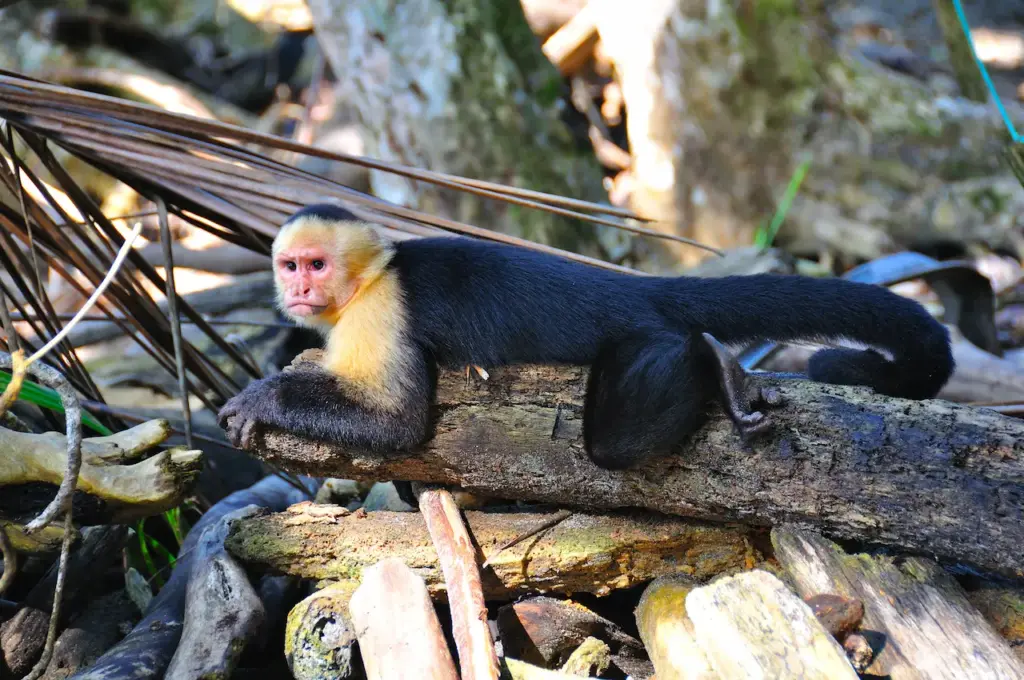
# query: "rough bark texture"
[[725, 100], [915, 615], [929, 476], [582, 554], [462, 87]]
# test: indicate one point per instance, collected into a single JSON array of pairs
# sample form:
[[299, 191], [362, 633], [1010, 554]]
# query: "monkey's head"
[[323, 258]]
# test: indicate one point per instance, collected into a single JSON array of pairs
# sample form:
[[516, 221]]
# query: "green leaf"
[[46, 397]]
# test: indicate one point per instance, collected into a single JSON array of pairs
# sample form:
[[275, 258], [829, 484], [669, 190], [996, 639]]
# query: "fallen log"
[[583, 554], [922, 476]]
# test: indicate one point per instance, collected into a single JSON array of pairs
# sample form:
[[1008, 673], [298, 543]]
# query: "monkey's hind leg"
[[645, 396], [737, 395]]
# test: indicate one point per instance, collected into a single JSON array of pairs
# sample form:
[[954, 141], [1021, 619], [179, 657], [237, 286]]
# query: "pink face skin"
[[305, 274]]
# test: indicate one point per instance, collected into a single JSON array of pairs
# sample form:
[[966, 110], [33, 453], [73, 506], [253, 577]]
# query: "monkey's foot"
[[738, 396]]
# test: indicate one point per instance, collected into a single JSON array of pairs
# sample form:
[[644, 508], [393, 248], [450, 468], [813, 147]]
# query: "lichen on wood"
[[585, 553]]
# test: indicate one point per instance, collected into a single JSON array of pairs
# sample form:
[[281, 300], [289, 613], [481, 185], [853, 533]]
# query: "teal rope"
[[984, 72]]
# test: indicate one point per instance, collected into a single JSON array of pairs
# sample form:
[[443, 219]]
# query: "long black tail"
[[826, 311]]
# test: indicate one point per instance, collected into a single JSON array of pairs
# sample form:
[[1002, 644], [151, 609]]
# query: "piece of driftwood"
[[147, 650], [916, 616], [116, 488], [752, 626], [582, 554], [319, 640], [394, 619], [544, 631], [668, 632], [928, 476], [222, 610], [457, 556], [23, 636], [101, 623]]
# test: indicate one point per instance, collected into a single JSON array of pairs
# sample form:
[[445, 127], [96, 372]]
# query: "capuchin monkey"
[[392, 312]]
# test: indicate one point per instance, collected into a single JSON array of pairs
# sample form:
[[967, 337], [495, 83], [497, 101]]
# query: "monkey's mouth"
[[306, 309]]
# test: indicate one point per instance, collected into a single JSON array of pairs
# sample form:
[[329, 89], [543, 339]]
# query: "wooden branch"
[[928, 476], [752, 626], [126, 491], [915, 615], [399, 635], [457, 555], [582, 554]]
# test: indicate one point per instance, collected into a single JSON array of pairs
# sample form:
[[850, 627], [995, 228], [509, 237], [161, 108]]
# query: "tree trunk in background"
[[460, 86], [726, 98]]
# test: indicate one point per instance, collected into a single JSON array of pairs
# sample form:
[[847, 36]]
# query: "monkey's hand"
[[738, 396], [313, 403], [261, 404]]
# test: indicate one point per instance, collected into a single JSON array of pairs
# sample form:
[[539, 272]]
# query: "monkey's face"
[[310, 282], [320, 266]]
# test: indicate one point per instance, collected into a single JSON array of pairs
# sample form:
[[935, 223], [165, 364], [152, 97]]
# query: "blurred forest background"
[[812, 136]]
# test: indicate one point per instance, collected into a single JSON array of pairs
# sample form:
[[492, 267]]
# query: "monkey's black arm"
[[312, 403]]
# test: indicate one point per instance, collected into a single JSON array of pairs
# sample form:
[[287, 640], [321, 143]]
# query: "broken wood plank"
[[928, 476], [916, 616], [582, 554], [394, 619], [752, 626]]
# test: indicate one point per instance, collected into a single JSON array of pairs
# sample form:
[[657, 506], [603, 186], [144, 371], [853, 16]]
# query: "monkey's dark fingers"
[[246, 433]]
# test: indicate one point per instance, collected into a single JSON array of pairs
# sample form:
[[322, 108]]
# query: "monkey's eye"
[[318, 264], [290, 266]]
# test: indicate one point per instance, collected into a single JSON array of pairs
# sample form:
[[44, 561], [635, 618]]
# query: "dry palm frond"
[[208, 174]]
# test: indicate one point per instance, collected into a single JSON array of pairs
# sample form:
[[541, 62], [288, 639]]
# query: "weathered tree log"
[[544, 631], [582, 554], [752, 626], [319, 641], [915, 615], [929, 476]]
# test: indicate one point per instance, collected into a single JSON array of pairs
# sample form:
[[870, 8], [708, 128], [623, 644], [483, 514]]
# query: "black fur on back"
[[473, 301]]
